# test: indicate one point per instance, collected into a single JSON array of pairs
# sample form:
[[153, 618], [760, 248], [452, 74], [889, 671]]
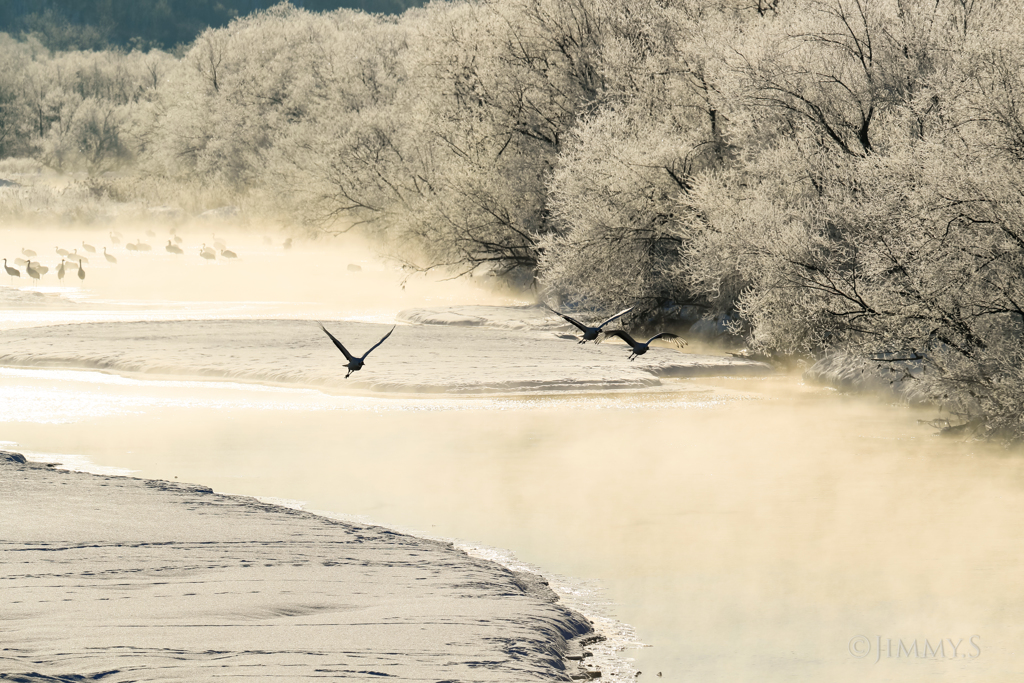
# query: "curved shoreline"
[[118, 576]]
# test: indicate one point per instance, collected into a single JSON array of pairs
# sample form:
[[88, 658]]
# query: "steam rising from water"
[[311, 279], [749, 530]]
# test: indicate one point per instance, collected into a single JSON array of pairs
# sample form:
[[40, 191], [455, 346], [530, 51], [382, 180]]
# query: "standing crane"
[[13, 272]]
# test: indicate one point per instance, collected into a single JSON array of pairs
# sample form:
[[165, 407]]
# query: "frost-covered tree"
[[617, 192], [73, 110], [494, 90], [262, 103], [341, 163], [889, 223]]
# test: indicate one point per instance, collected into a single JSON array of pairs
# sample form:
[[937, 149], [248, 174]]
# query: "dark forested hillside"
[[96, 24]]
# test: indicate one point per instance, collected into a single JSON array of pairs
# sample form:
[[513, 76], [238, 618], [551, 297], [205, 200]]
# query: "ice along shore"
[[125, 579]]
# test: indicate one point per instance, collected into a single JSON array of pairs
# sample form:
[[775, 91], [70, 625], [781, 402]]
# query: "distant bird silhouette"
[[288, 243], [60, 271], [62, 252], [178, 240], [173, 248], [131, 247], [139, 246], [227, 253], [207, 254], [589, 333], [354, 363], [13, 272], [20, 261], [114, 239], [27, 252], [640, 348], [32, 273], [75, 256], [89, 248], [110, 259], [41, 269], [81, 272]]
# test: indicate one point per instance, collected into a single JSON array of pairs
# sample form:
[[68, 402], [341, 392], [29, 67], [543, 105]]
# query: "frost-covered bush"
[[614, 195], [46, 204]]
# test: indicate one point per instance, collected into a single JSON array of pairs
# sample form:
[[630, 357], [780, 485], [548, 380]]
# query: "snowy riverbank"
[[130, 579], [855, 374]]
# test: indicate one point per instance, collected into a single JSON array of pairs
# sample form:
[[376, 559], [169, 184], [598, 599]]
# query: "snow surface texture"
[[11, 297], [500, 317], [415, 359], [154, 580]]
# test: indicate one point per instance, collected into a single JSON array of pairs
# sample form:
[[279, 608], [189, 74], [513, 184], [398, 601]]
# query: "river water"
[[749, 528]]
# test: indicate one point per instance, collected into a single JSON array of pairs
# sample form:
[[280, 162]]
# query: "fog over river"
[[738, 523]]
